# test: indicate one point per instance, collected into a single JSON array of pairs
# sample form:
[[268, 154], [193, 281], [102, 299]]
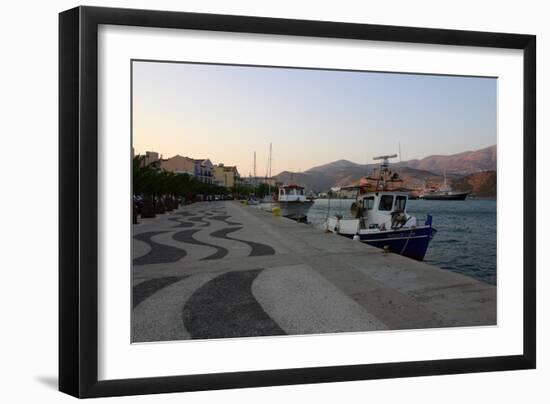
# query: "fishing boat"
[[444, 193], [379, 217], [292, 202]]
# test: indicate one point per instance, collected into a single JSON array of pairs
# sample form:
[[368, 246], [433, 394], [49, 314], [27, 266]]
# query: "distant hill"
[[321, 178], [461, 163], [482, 184], [340, 174], [415, 173], [311, 181], [337, 166]]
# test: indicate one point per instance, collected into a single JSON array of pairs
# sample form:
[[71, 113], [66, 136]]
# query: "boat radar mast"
[[385, 163], [385, 177]]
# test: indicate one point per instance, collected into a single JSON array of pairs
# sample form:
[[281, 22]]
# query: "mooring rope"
[[406, 242]]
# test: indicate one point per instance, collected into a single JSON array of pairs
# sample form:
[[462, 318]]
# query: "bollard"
[[276, 211]]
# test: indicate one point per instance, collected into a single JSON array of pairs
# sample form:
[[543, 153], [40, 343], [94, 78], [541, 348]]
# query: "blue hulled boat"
[[380, 218]]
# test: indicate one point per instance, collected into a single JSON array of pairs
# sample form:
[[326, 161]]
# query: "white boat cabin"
[[291, 193], [375, 212], [378, 208]]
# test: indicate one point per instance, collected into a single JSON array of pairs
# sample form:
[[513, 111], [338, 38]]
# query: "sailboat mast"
[[254, 180], [269, 171]]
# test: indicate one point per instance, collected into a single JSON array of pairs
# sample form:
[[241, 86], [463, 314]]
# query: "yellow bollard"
[[276, 211]]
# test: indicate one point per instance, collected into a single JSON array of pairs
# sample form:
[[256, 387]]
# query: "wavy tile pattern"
[[186, 236], [223, 218], [145, 289], [199, 219], [258, 249], [226, 308], [159, 253], [181, 223]]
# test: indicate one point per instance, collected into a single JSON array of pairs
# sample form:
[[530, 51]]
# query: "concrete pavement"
[[222, 269]]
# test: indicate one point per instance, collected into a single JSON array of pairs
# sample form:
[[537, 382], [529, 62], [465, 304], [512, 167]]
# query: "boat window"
[[281, 191], [400, 203], [368, 203], [386, 202]]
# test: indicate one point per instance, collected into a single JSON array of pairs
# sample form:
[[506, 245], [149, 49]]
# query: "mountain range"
[[461, 163], [414, 173]]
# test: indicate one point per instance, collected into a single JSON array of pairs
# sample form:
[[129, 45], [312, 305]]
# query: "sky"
[[312, 117]]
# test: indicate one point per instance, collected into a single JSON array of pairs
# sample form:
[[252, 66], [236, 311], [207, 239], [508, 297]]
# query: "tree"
[[160, 189], [263, 190], [144, 184]]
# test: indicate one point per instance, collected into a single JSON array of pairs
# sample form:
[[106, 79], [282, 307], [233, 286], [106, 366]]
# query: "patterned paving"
[[217, 304], [143, 290], [183, 214], [258, 249], [223, 218], [186, 236], [181, 223], [226, 308], [159, 253], [199, 219], [223, 270]]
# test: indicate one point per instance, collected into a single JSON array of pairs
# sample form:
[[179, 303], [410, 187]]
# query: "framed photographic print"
[[250, 201]]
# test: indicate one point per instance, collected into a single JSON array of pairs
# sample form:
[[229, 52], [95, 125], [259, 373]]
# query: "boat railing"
[[429, 219]]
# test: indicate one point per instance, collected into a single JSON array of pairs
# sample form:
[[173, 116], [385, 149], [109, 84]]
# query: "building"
[[226, 176], [256, 181], [151, 158], [203, 170], [179, 165]]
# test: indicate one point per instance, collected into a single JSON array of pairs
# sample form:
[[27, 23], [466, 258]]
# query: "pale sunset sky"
[[312, 117]]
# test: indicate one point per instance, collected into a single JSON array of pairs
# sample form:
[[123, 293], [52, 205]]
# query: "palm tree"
[[144, 180]]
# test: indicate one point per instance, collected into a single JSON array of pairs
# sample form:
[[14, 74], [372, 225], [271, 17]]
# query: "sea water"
[[466, 236]]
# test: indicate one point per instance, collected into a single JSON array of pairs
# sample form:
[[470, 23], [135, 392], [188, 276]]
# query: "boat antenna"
[[384, 168], [400, 160]]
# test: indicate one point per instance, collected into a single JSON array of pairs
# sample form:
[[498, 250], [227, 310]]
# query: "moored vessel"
[[444, 193], [292, 202], [380, 218]]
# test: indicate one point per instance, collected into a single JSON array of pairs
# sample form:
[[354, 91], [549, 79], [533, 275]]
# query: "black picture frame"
[[78, 201]]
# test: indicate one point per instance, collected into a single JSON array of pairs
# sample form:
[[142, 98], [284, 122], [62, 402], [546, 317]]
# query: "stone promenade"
[[222, 270]]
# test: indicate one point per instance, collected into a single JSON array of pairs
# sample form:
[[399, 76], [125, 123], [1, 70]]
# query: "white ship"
[[292, 202]]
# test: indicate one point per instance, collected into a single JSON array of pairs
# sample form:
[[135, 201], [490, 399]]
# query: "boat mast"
[[254, 183], [269, 171], [384, 169], [400, 160]]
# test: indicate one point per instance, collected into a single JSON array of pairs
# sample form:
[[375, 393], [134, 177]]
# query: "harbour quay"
[[223, 270]]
